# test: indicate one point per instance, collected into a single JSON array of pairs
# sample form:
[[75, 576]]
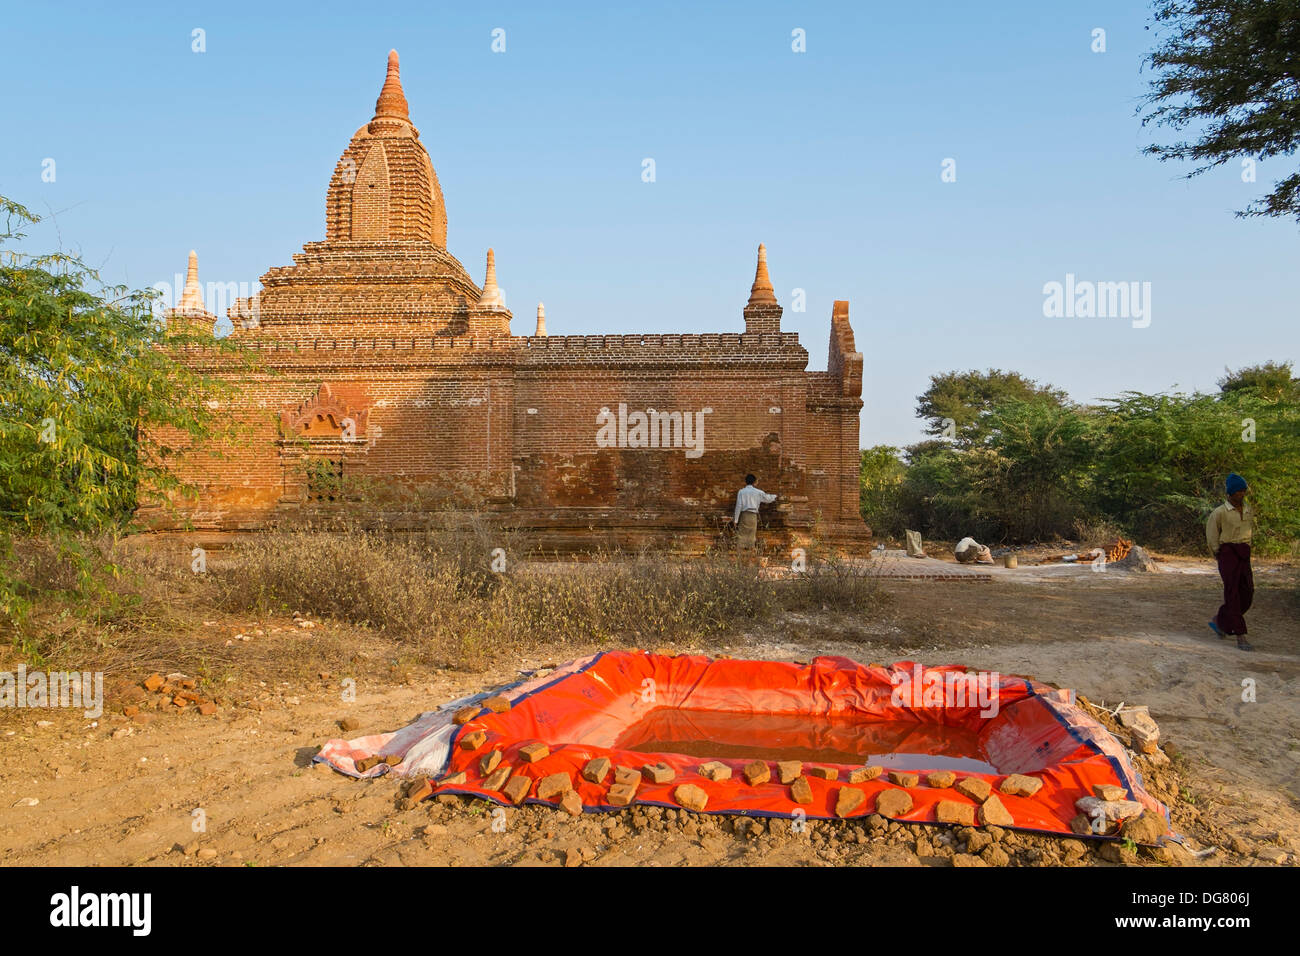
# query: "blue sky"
[[832, 157]]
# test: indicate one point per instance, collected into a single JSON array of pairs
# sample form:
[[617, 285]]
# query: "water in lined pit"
[[896, 745]]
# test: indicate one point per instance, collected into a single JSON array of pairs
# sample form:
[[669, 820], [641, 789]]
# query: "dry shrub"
[[434, 593], [833, 585], [438, 589], [363, 578], [88, 597]]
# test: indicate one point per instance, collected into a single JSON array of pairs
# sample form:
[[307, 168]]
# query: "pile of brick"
[[981, 807], [175, 693]]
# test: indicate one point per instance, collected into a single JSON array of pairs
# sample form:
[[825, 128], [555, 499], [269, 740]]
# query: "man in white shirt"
[[748, 500]]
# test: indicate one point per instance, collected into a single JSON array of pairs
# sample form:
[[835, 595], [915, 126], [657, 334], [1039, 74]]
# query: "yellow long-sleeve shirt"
[[1227, 525]]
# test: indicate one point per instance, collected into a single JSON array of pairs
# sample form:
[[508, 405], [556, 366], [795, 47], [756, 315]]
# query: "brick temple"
[[388, 382]]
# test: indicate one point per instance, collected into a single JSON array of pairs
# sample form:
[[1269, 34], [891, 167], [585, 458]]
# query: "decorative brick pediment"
[[324, 415]]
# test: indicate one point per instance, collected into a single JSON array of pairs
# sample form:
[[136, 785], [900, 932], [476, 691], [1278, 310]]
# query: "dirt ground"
[[238, 788]]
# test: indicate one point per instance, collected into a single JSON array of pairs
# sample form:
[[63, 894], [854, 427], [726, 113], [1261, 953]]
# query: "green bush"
[[1037, 467]]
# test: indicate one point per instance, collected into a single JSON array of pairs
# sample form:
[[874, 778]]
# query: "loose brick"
[[950, 811], [180, 701], [497, 779], [825, 773], [596, 770], [788, 771], [465, 715], [621, 794], [531, 753], [974, 787], [571, 802], [993, 813], [365, 763], [473, 740], [420, 789], [392, 759], [1019, 785], [517, 788], [626, 776], [904, 778], [453, 780], [757, 773], [488, 762], [154, 683], [715, 770], [940, 779], [1108, 791], [863, 774], [554, 785], [130, 710], [691, 797], [801, 790], [658, 773], [847, 800], [893, 802], [497, 704]]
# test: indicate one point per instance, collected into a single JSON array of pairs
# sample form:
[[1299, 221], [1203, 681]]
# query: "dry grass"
[[434, 597]]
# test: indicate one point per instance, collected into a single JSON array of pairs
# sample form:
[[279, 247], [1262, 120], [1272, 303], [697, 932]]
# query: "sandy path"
[[107, 800]]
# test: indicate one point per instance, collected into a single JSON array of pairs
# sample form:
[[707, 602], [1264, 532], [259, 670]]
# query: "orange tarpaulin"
[[639, 709]]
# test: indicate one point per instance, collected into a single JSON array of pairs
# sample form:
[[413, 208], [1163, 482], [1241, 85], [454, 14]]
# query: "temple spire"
[[192, 296], [761, 292], [392, 101], [541, 319], [491, 297]]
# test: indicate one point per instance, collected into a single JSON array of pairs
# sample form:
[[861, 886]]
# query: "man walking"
[[1228, 532], [748, 500]]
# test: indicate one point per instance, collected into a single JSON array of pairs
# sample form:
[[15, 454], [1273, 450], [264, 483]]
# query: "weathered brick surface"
[[1020, 785], [974, 787], [621, 794], [659, 773], [550, 787], [863, 774], [379, 360], [596, 769], [517, 788], [847, 800], [691, 797], [950, 811], [893, 803], [497, 778], [532, 753]]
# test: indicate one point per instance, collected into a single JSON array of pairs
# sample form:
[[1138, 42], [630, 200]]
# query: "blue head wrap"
[[1235, 484]]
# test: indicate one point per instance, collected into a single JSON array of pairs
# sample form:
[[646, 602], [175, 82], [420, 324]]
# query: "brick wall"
[[381, 376]]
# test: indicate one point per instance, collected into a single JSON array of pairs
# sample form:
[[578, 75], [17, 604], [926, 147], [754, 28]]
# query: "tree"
[[881, 477], [1230, 69], [1272, 380], [1162, 460], [1044, 459], [83, 374], [957, 404]]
